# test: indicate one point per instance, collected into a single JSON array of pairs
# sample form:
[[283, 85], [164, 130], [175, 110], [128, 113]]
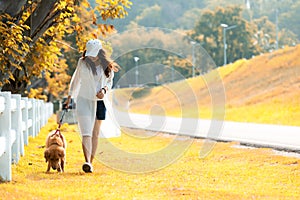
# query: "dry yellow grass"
[[226, 173]]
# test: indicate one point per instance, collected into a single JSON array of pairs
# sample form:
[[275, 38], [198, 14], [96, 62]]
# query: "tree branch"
[[39, 16]]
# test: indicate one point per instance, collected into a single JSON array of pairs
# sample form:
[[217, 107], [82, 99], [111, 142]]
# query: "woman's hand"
[[67, 102], [100, 94]]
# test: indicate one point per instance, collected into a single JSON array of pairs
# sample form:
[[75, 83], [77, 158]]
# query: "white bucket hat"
[[93, 47]]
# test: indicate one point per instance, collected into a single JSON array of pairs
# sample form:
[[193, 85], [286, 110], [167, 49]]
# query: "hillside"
[[264, 89]]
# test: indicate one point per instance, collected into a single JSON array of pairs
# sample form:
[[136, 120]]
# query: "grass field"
[[263, 90], [226, 173]]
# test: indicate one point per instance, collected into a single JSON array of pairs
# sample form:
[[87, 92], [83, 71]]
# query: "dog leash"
[[60, 123], [62, 117]]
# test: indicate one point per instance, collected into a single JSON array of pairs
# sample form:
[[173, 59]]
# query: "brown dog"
[[55, 153]]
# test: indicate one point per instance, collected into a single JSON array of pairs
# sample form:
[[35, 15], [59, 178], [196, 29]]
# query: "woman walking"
[[91, 81]]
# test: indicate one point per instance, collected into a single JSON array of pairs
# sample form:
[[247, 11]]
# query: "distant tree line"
[[261, 26]]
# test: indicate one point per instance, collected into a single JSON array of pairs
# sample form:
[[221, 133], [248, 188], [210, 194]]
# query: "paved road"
[[278, 136]]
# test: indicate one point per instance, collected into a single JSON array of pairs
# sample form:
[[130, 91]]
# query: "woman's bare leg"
[[95, 137], [87, 148]]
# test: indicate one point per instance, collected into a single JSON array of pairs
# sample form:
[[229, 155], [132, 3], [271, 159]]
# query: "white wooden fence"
[[20, 117]]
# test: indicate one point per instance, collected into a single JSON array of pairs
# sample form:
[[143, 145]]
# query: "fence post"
[[22, 126], [50, 110], [5, 159], [25, 120], [43, 113], [38, 117], [32, 116], [16, 125]]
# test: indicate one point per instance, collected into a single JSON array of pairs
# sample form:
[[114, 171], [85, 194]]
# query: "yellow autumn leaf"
[[85, 3], [11, 76], [76, 19]]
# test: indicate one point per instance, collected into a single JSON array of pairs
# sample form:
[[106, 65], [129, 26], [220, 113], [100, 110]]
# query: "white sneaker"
[[87, 167]]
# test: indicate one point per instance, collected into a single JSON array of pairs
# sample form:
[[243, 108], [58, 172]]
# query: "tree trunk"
[[11, 7]]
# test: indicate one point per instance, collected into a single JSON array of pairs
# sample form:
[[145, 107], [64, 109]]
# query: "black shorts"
[[101, 110]]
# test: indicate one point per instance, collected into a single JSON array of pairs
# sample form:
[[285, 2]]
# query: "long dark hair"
[[106, 63]]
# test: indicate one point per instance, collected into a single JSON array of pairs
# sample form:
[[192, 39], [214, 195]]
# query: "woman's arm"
[[74, 84], [109, 81], [106, 87]]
